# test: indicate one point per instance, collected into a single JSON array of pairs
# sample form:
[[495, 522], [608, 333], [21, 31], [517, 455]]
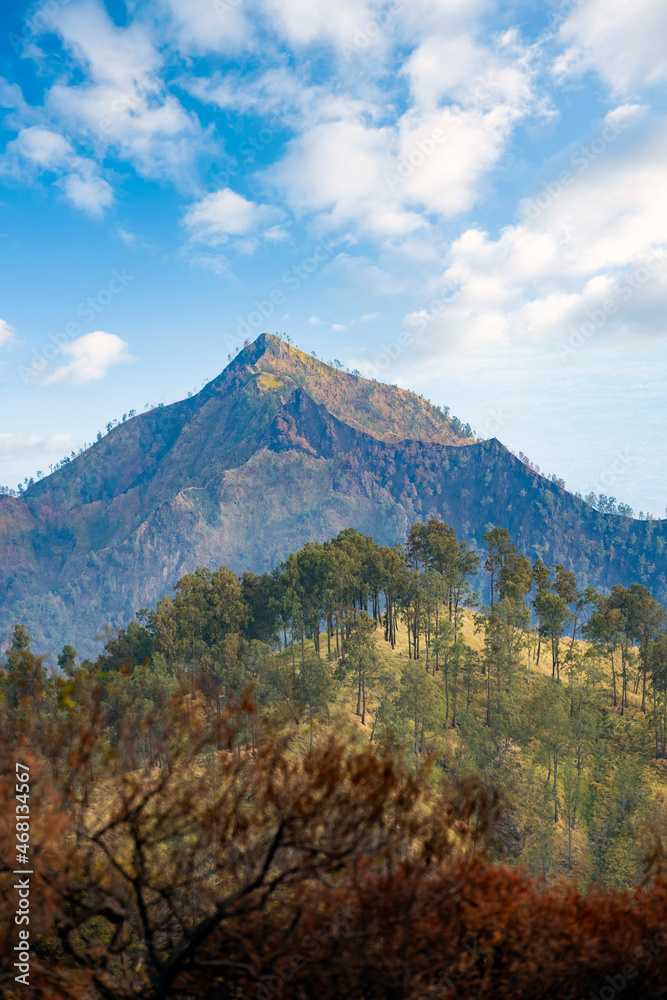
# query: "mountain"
[[278, 450]]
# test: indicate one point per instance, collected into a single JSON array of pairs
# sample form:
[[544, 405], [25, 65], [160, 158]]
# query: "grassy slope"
[[385, 411], [633, 743]]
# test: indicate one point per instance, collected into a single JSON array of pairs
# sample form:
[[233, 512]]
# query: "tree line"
[[352, 774], [402, 636]]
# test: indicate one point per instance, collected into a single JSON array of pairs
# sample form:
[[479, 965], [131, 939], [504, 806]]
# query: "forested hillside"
[[555, 694], [351, 759], [279, 450]]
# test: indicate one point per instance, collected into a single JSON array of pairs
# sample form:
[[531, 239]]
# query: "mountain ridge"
[[416, 416], [277, 450]]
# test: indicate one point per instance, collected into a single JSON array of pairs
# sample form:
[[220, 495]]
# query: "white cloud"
[[122, 56], [21, 446], [276, 234], [388, 180], [11, 96], [210, 25], [460, 69], [623, 42], [368, 318], [87, 191], [352, 164], [36, 148], [283, 99], [6, 333], [336, 168], [122, 104], [224, 214], [462, 146], [589, 246], [315, 320], [41, 146], [305, 21], [422, 18], [353, 27], [353, 161], [93, 355], [362, 27], [348, 139]]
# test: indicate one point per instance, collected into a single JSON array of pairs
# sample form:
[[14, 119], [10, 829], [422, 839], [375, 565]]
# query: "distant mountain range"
[[278, 450]]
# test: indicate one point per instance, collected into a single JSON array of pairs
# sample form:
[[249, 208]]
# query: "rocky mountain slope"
[[278, 450]]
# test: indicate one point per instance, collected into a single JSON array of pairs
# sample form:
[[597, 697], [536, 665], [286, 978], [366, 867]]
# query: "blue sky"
[[464, 197]]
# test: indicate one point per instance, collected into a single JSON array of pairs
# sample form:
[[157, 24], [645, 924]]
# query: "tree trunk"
[[613, 678], [446, 668], [555, 787], [569, 846], [644, 691]]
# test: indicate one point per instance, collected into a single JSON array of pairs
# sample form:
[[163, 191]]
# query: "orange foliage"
[[334, 874]]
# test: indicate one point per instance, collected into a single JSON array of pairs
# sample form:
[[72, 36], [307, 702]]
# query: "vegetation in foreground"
[[279, 872], [348, 777]]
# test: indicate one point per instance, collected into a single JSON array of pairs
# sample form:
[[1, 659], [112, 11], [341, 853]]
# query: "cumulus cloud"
[[622, 42], [387, 180], [336, 168], [350, 157], [41, 146], [38, 149], [92, 356], [397, 150], [461, 69], [224, 214], [210, 25], [589, 248], [122, 103], [353, 160], [305, 21], [352, 165], [362, 27], [87, 191]]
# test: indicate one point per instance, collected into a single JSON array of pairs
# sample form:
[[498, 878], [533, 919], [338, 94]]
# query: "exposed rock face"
[[280, 449]]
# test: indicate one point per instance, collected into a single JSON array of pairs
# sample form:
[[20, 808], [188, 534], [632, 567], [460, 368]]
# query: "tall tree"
[[541, 574], [554, 615], [499, 548]]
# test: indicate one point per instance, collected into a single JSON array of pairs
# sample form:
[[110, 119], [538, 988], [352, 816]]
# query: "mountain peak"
[[384, 411], [268, 344], [279, 449], [229, 420]]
